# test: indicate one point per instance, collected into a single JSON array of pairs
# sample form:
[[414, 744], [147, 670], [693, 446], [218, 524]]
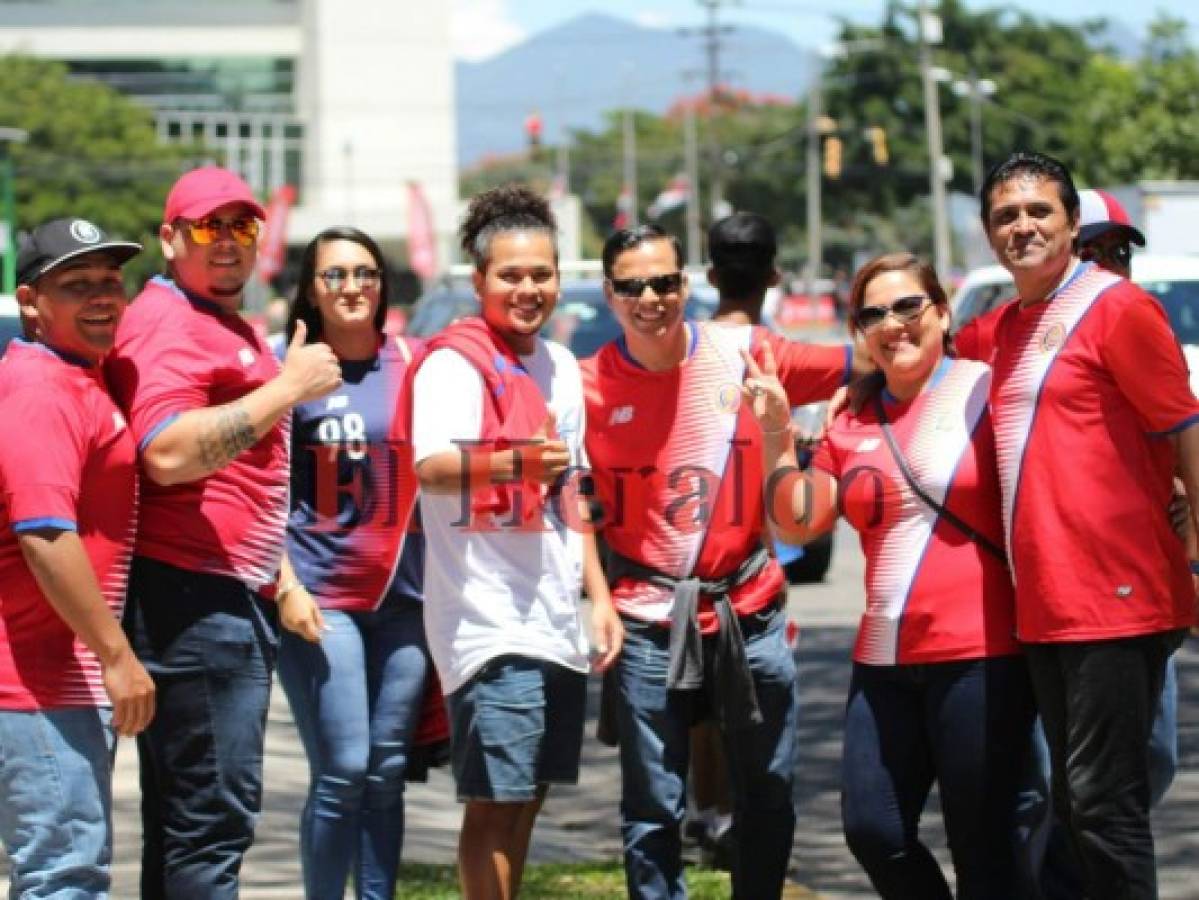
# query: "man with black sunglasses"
[[209, 407], [677, 467]]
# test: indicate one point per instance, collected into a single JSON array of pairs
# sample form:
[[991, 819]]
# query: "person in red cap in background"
[[209, 407], [1106, 233], [1105, 236]]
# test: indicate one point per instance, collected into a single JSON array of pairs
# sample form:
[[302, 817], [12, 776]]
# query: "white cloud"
[[649, 18], [483, 28]]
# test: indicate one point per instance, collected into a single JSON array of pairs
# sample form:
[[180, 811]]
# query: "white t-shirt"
[[504, 591]]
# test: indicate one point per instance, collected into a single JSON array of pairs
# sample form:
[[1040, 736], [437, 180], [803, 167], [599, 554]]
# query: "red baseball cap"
[[1100, 212], [200, 191]]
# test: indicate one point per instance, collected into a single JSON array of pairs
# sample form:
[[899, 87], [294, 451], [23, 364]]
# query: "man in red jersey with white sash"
[[1092, 410], [677, 466]]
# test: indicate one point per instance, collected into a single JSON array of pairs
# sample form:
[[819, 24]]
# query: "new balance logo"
[[341, 401], [868, 445], [246, 355], [622, 415]]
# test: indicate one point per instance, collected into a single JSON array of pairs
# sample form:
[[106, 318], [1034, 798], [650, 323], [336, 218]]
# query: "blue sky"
[[485, 27]]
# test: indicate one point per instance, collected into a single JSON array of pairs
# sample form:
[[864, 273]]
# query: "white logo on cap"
[[85, 232]]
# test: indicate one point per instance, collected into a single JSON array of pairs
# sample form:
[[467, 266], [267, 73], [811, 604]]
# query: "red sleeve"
[[156, 372], [1147, 364], [827, 457], [809, 372], [41, 472], [976, 339]]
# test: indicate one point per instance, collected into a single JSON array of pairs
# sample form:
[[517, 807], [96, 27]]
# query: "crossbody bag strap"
[[952, 518]]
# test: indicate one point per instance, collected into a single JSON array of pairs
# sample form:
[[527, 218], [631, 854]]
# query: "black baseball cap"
[[60, 240]]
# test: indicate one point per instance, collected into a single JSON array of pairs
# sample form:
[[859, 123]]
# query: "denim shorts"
[[515, 725]]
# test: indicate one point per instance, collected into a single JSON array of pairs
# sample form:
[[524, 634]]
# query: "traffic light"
[[832, 157], [878, 144], [533, 130]]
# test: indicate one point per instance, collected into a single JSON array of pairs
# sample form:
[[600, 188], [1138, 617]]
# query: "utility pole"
[[932, 121], [630, 166], [815, 199], [691, 163], [8, 206], [977, 91], [712, 34], [563, 165]]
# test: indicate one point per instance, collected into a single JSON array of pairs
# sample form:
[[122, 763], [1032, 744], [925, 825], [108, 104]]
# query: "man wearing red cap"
[[208, 406]]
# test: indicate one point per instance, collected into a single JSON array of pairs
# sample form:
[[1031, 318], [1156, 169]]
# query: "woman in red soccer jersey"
[[939, 689]]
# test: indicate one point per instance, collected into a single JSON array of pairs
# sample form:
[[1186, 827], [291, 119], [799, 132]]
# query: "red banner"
[[422, 239], [272, 250]]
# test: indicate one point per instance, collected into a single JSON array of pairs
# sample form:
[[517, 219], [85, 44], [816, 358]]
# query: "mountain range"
[[573, 73]]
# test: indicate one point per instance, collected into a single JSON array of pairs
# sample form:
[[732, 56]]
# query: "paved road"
[[582, 823]]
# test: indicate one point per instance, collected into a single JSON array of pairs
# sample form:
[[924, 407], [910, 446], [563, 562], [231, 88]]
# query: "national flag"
[[624, 208], [675, 194]]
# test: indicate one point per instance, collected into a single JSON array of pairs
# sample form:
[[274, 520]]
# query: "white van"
[[10, 321], [1174, 280]]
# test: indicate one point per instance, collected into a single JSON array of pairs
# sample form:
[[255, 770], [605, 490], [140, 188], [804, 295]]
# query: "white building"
[[347, 100]]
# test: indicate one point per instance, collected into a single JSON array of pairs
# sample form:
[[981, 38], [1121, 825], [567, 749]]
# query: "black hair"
[[742, 248], [628, 238], [1039, 165], [303, 307], [510, 207]]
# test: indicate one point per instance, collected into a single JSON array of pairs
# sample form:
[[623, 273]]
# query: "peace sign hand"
[[763, 391]]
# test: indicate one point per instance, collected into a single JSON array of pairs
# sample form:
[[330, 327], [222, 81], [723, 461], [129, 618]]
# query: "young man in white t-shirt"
[[497, 432]]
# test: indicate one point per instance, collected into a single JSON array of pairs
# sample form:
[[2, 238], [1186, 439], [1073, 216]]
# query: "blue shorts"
[[515, 725]]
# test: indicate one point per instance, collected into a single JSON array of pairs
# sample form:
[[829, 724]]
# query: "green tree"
[[91, 152], [1141, 120]]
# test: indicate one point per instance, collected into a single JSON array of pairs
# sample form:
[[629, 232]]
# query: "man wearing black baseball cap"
[[69, 680]]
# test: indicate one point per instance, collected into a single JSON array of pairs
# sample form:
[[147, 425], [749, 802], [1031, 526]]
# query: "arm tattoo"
[[229, 433]]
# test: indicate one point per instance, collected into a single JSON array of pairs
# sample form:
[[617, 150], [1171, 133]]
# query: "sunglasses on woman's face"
[[905, 309], [337, 277]]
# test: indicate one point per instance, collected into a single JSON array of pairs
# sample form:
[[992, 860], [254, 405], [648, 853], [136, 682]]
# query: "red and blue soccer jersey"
[[68, 463], [1087, 388], [175, 354], [346, 537], [677, 463], [932, 593]]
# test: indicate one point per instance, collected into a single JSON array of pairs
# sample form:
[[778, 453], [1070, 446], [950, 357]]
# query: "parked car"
[[583, 322], [1174, 280], [10, 320]]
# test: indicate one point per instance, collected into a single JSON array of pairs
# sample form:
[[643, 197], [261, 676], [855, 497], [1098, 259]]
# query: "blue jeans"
[[357, 698], [654, 725], [56, 801], [966, 724], [515, 726], [209, 643]]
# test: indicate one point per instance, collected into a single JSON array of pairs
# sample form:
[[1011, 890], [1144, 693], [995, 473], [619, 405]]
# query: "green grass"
[[589, 881]]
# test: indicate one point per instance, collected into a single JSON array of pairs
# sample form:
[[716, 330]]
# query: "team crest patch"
[[728, 398], [1053, 338], [85, 232]]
